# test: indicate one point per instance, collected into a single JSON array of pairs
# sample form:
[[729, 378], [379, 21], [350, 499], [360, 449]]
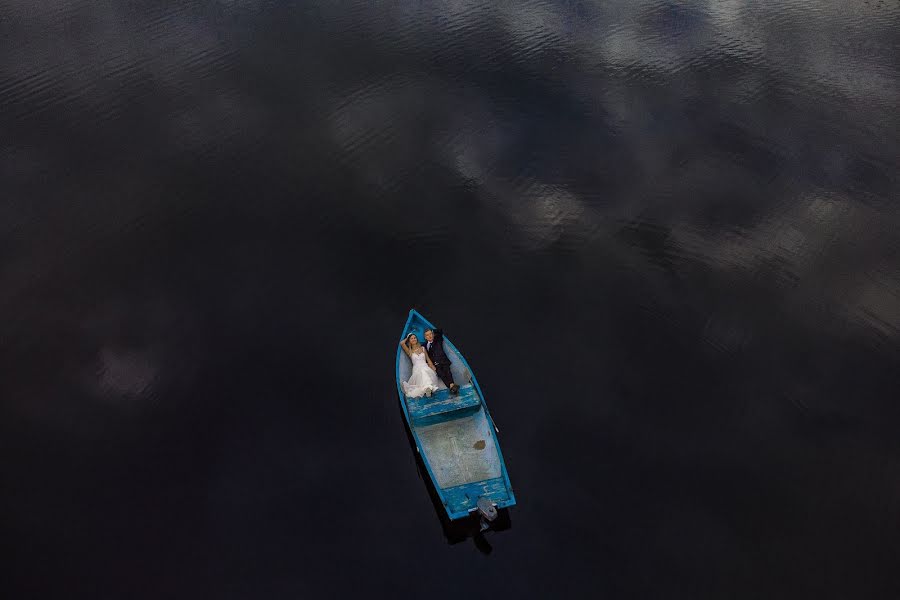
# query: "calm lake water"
[[666, 236]]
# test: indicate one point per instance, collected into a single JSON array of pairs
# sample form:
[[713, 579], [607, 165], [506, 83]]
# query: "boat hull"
[[455, 435]]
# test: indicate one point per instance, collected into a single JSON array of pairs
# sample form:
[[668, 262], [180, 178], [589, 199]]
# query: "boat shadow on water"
[[459, 530]]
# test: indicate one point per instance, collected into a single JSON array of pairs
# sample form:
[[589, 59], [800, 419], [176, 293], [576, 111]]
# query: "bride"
[[423, 380]]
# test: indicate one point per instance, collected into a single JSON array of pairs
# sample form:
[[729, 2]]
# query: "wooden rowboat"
[[456, 437]]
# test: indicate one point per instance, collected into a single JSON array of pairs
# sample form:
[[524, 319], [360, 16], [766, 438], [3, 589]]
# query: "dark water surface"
[[666, 236]]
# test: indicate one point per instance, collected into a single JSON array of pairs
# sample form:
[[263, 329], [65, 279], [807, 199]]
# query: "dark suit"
[[439, 357]]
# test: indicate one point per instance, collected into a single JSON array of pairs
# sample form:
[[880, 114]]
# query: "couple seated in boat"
[[429, 362]]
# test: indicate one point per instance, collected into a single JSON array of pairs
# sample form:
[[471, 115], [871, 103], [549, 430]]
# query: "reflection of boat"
[[456, 438]]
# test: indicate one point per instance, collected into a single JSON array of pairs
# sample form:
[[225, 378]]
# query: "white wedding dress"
[[422, 380]]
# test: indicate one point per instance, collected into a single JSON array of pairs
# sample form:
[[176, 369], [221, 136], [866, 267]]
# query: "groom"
[[434, 346]]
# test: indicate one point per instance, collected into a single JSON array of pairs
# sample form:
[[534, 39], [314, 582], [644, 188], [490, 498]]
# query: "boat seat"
[[441, 402]]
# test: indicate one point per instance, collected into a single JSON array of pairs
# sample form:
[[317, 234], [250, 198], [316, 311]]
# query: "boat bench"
[[441, 402], [463, 498]]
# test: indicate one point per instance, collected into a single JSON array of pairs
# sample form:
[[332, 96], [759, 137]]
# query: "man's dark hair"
[[427, 330]]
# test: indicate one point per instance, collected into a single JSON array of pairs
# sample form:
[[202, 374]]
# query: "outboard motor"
[[488, 512]]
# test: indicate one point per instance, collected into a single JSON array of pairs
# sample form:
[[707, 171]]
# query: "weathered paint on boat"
[[455, 435]]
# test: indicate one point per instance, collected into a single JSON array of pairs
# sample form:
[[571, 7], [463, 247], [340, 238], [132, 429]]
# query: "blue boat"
[[456, 437]]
